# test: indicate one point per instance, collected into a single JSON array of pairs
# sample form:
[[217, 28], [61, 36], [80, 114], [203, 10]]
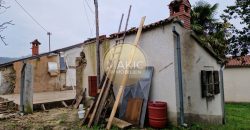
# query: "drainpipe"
[[222, 94], [178, 48]]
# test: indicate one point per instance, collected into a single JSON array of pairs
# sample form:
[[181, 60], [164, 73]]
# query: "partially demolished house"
[[187, 73], [53, 72]]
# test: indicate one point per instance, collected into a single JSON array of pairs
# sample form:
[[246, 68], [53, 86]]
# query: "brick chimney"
[[35, 47], [181, 9]]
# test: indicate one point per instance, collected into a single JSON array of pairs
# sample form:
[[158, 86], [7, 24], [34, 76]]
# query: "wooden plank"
[[102, 102], [87, 113], [100, 96], [64, 104], [43, 107], [4, 102], [80, 98], [124, 80], [44, 97], [120, 123], [133, 111], [96, 106]]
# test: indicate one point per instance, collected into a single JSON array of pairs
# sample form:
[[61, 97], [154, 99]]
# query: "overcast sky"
[[67, 21]]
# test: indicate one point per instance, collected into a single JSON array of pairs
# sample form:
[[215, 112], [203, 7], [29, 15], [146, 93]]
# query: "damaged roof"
[[242, 61], [147, 27]]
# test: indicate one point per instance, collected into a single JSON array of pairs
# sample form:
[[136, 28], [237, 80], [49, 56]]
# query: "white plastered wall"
[[237, 84]]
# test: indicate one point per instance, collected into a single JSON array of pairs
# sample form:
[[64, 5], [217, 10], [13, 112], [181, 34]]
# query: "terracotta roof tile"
[[243, 61]]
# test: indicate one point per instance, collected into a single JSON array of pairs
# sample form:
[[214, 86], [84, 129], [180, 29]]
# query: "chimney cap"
[[36, 42], [185, 2]]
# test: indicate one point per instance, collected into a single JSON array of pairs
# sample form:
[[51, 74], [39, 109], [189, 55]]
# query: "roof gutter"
[[178, 48]]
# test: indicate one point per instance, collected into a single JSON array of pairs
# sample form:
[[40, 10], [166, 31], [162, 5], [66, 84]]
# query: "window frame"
[[209, 86]]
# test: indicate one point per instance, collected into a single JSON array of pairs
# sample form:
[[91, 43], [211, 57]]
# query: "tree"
[[3, 25], [209, 30], [239, 38]]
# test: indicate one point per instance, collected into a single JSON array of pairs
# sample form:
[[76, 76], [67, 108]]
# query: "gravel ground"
[[54, 119]]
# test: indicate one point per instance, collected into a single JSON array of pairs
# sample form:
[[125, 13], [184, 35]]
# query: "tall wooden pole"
[[97, 43]]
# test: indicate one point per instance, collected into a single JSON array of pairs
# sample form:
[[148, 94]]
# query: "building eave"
[[208, 49]]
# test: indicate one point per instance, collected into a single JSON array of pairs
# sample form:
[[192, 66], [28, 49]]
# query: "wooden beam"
[[87, 113], [125, 77], [64, 104], [43, 107], [120, 123]]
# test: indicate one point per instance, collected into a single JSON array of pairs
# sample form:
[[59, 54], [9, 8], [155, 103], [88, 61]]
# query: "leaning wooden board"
[[125, 77], [120, 123], [133, 111], [139, 90]]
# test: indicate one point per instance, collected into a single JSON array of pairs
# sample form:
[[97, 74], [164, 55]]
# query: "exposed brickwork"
[[35, 47], [182, 10]]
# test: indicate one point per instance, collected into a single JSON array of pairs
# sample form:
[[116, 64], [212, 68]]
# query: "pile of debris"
[[7, 109], [132, 110]]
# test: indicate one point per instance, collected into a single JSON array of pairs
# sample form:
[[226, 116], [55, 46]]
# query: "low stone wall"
[[8, 77]]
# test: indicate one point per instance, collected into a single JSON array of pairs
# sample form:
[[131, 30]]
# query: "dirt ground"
[[54, 119]]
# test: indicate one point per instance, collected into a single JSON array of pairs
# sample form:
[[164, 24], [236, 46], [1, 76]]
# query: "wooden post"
[[125, 77], [97, 43]]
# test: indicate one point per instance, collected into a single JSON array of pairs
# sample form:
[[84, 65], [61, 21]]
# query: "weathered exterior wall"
[[160, 49], [90, 53], [236, 84], [70, 59], [43, 82], [194, 59], [7, 83], [158, 46]]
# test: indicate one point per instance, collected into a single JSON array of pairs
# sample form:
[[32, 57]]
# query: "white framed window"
[[53, 68]]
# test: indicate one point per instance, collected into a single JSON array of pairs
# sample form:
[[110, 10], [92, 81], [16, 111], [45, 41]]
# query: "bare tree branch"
[[2, 5], [4, 25], [2, 39]]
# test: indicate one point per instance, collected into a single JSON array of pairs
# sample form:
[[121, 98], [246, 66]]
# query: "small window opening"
[[186, 9], [176, 8]]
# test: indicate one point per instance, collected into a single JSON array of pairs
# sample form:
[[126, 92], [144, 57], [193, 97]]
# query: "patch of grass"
[[237, 118]]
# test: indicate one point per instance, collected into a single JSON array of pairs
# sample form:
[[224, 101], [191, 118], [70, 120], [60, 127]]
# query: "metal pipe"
[[222, 94], [178, 48]]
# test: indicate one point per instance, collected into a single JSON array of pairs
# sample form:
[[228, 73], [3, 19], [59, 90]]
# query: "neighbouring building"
[[236, 79], [180, 60], [53, 71]]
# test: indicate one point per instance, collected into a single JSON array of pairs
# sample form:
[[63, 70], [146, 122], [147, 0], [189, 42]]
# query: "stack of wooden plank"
[[6, 107], [105, 104]]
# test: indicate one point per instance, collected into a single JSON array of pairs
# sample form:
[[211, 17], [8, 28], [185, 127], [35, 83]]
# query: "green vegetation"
[[209, 30], [238, 37], [237, 118]]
